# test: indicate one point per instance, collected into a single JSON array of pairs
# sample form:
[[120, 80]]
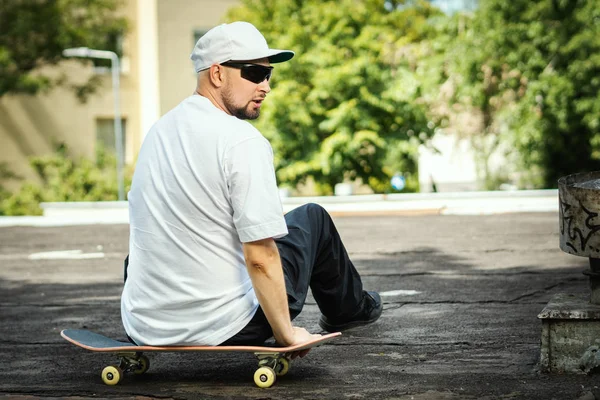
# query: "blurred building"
[[452, 6], [156, 74]]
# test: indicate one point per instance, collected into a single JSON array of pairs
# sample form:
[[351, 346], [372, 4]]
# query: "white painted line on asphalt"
[[64, 255], [399, 293]]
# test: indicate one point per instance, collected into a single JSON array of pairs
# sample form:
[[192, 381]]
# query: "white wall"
[[453, 169]]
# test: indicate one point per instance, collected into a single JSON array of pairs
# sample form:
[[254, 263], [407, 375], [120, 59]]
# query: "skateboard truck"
[[129, 362]]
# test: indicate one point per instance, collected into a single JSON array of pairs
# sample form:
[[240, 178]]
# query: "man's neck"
[[212, 98]]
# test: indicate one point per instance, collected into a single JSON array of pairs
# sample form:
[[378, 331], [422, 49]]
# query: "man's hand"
[[300, 335]]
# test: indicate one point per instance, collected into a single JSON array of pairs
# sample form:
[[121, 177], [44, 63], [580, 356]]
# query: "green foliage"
[[350, 95], [33, 33], [402, 159], [533, 69], [64, 179], [5, 175]]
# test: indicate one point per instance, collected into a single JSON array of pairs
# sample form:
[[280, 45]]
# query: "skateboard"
[[272, 361]]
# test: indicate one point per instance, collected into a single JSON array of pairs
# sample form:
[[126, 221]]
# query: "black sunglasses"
[[252, 72]]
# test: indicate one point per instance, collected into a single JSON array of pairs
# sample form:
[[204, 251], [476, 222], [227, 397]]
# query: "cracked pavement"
[[461, 299]]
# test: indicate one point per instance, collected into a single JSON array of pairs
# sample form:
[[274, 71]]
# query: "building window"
[[105, 133]]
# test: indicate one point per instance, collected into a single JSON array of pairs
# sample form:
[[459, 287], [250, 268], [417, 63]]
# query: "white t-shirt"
[[204, 183]]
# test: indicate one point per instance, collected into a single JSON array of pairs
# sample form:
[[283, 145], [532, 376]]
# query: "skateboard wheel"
[[283, 366], [144, 364], [264, 377], [112, 375]]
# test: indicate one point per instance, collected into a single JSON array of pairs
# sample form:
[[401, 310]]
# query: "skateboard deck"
[[272, 361]]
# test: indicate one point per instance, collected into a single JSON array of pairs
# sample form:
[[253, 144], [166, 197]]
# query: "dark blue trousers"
[[313, 256]]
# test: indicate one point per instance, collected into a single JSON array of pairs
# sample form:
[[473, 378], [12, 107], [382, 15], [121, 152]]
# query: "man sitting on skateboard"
[[213, 260]]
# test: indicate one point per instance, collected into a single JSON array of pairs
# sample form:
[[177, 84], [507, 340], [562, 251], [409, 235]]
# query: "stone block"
[[570, 327]]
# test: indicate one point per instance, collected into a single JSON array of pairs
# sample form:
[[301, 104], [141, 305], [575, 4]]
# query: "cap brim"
[[279, 56]]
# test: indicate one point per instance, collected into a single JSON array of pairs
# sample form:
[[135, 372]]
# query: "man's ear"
[[216, 74]]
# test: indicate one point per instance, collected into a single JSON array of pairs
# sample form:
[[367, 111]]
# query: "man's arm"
[[266, 273]]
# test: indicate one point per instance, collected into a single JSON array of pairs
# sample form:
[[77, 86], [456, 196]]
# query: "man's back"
[[187, 279]]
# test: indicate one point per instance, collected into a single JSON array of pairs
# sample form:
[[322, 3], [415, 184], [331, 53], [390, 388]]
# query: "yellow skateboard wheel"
[[144, 364], [283, 366], [112, 375], [264, 377]]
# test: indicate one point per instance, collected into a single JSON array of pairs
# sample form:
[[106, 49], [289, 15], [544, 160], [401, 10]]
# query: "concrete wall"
[[456, 166], [449, 164], [29, 126]]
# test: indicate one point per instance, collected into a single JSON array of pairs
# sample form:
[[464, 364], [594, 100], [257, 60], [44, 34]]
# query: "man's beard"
[[239, 112]]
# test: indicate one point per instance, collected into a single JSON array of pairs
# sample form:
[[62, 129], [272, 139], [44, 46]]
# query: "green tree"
[[350, 95], [532, 68], [33, 33]]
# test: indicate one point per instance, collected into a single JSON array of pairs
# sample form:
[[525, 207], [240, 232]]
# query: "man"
[[212, 259]]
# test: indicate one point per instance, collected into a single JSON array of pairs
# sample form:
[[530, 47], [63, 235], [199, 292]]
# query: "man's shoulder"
[[238, 131], [197, 117]]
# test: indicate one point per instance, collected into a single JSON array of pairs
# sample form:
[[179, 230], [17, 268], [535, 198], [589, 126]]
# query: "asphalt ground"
[[459, 320]]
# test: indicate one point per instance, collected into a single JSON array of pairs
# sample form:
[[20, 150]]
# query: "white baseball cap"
[[238, 41]]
